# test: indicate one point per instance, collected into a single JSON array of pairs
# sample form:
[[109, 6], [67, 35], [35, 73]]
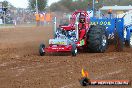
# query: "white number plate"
[[58, 41]]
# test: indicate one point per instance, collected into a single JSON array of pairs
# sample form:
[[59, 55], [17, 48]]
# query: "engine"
[[63, 34], [72, 35]]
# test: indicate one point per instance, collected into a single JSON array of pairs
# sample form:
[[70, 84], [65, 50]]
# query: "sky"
[[24, 3]]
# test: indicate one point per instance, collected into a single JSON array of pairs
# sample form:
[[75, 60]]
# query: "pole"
[[55, 20], [93, 7], [76, 24], [4, 18], [37, 6]]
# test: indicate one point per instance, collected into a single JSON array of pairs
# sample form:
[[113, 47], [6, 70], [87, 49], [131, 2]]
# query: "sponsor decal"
[[101, 23], [85, 80]]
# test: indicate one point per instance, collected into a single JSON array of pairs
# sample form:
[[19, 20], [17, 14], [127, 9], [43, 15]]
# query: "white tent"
[[116, 7]]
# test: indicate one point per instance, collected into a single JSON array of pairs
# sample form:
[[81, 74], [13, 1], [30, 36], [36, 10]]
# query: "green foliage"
[[41, 4], [5, 4], [72, 5]]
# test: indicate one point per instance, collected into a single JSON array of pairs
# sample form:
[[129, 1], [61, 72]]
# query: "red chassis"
[[58, 48]]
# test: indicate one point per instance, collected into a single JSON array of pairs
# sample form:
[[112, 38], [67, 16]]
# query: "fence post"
[[4, 17], [55, 26]]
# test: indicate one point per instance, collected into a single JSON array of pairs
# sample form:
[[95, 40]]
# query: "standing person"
[[37, 19], [14, 22], [42, 19], [48, 18]]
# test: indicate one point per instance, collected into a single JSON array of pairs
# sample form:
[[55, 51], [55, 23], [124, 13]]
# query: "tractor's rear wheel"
[[42, 49], [97, 39]]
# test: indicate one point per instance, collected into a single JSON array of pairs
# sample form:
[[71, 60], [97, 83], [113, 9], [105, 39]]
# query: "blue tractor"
[[118, 29]]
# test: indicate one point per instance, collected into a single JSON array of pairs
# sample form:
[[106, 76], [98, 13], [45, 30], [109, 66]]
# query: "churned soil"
[[22, 67]]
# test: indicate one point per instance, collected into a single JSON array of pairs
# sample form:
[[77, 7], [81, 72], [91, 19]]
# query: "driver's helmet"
[[82, 18]]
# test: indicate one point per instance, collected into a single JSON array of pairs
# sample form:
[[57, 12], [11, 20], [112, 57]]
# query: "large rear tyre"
[[74, 50], [42, 50], [97, 40]]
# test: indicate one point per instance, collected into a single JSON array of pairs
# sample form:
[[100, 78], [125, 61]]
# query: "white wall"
[[1, 21]]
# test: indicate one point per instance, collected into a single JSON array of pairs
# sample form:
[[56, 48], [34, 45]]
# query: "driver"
[[82, 26]]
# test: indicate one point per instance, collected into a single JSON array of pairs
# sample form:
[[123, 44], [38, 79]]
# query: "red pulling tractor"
[[78, 35]]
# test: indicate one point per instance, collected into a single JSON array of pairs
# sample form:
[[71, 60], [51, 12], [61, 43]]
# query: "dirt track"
[[22, 67]]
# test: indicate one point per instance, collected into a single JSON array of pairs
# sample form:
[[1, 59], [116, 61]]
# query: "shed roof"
[[116, 7]]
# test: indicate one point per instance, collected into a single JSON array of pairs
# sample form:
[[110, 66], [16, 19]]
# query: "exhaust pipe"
[[55, 27], [77, 36]]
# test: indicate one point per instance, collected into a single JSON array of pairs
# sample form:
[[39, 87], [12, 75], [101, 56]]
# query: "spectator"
[[37, 19], [42, 19]]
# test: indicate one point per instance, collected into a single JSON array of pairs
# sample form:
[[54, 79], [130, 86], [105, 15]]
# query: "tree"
[[5, 4], [71, 5], [41, 4]]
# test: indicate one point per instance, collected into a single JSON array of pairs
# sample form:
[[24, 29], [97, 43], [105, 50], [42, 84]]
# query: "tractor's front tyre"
[[130, 41], [42, 50], [97, 40], [74, 50]]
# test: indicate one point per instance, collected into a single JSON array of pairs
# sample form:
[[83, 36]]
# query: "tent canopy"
[[116, 7]]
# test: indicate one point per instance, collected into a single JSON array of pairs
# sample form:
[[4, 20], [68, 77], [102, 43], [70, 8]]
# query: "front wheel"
[[130, 41], [42, 50], [74, 50]]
